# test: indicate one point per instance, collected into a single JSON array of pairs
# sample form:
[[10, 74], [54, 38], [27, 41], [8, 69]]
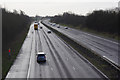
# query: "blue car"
[[41, 57]]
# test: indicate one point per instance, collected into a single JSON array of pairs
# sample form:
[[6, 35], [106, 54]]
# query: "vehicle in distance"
[[48, 31], [35, 21], [50, 23], [40, 27], [54, 24], [35, 26], [66, 27], [58, 26], [41, 57]]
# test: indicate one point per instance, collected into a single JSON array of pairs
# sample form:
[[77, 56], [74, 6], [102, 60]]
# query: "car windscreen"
[[41, 55]]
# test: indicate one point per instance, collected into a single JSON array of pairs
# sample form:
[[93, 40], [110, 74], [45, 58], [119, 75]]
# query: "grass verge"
[[15, 46], [110, 71]]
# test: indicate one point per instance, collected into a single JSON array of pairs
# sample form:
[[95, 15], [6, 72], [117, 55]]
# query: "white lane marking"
[[73, 68], [110, 60], [28, 74], [29, 67], [103, 38]]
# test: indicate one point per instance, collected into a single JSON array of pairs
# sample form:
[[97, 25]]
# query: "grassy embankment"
[[14, 30], [15, 47], [96, 60]]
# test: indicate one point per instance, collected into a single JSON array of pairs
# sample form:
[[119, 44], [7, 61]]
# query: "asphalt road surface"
[[62, 61], [108, 49]]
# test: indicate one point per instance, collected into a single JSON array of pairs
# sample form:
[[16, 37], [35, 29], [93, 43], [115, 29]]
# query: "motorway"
[[62, 60], [106, 48]]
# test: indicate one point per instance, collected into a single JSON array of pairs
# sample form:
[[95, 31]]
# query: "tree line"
[[98, 20], [13, 23], [15, 26]]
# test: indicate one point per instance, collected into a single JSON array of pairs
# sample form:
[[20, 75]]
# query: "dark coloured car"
[[48, 31], [41, 57], [35, 21], [40, 27], [58, 26], [66, 27]]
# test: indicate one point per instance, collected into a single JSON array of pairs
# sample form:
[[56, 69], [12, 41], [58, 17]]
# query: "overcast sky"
[[53, 7]]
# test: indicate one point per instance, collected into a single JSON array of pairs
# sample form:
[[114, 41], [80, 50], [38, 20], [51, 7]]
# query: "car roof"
[[40, 53], [35, 23]]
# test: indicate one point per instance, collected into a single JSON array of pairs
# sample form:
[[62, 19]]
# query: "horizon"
[[51, 8]]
